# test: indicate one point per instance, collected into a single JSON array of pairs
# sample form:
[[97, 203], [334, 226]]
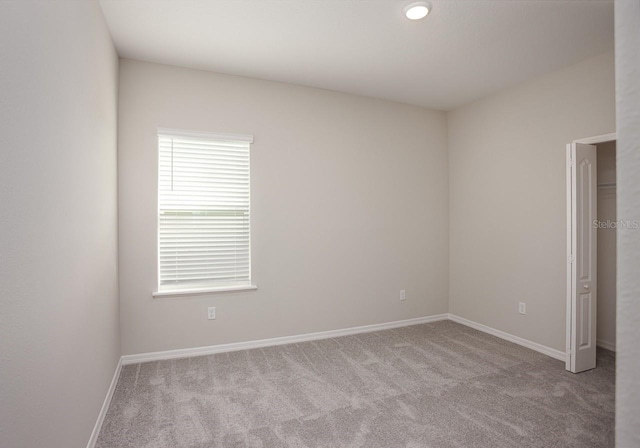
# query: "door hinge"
[[572, 259], [571, 162]]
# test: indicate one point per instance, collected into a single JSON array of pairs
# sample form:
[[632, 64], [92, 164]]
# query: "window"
[[203, 212]]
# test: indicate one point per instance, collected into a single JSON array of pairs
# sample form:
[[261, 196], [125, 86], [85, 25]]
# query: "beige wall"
[[606, 325], [349, 205], [59, 337], [507, 197], [628, 163]]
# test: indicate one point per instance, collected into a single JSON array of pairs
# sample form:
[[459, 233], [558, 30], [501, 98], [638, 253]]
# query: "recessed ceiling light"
[[416, 11]]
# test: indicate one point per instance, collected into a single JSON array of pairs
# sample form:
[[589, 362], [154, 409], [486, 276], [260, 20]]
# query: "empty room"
[[319, 223]]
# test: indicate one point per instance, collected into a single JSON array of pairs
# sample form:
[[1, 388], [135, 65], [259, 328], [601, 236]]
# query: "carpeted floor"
[[433, 385]]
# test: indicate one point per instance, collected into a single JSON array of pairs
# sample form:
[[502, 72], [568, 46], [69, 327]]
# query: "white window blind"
[[204, 210]]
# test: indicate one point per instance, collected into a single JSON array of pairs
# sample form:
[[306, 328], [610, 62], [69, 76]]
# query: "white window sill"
[[194, 291]]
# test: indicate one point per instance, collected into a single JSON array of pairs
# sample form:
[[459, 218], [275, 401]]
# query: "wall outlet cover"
[[522, 308]]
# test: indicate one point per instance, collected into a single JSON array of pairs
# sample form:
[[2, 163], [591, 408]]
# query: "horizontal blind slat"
[[193, 143], [202, 260], [194, 277]]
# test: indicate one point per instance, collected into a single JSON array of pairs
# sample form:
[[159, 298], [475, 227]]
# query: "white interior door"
[[583, 257]]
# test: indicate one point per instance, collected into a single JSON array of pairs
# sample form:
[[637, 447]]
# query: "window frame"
[[164, 291]]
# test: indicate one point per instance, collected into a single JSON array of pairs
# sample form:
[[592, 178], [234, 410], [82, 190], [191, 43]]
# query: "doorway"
[[591, 250]]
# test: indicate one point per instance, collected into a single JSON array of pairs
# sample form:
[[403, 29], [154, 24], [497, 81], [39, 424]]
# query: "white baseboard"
[[105, 406], [557, 354], [212, 349], [606, 345]]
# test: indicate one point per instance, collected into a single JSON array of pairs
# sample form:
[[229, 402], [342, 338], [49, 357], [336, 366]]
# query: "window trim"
[[169, 292], [198, 291], [206, 135]]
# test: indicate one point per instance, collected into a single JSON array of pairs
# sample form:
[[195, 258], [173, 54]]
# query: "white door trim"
[[569, 274], [604, 138], [570, 198]]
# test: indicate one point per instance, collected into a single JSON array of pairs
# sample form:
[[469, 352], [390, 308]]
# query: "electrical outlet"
[[211, 312], [522, 308], [403, 294]]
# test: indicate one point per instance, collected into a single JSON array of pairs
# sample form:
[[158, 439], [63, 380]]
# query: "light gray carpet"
[[433, 385]]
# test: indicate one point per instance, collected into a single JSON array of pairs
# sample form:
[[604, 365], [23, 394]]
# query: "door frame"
[[587, 141]]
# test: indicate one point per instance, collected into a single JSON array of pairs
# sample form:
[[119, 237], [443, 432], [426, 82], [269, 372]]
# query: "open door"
[[582, 287]]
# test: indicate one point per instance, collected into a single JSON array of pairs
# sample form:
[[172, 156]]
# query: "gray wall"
[[628, 157], [349, 205], [507, 197], [59, 337]]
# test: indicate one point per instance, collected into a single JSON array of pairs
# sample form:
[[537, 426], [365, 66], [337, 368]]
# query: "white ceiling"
[[462, 51]]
